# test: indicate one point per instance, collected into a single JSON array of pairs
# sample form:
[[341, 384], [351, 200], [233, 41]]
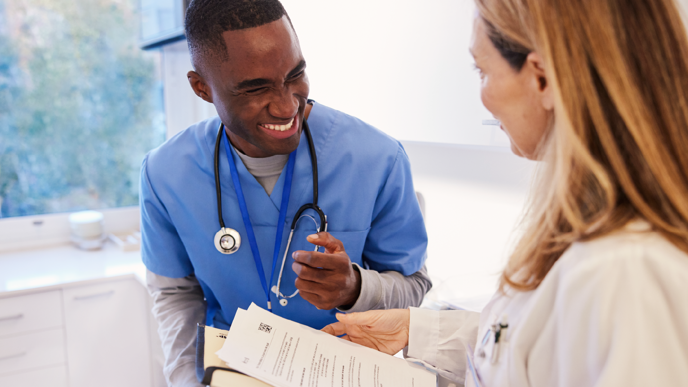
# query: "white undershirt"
[[266, 170]]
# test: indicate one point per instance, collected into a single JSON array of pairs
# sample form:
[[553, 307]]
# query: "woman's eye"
[[478, 70]]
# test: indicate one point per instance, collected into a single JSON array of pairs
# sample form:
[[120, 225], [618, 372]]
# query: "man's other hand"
[[327, 280]]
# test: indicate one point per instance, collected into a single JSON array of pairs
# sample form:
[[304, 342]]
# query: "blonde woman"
[[596, 290]]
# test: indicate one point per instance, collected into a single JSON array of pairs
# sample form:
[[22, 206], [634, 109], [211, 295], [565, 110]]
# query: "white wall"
[[400, 65], [474, 197]]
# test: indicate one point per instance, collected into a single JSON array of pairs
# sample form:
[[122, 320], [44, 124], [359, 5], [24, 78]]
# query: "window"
[[80, 104]]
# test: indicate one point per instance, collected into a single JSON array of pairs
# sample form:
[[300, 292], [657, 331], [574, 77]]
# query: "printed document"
[[287, 354]]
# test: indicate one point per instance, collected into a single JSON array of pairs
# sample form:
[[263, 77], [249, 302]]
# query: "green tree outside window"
[[80, 104]]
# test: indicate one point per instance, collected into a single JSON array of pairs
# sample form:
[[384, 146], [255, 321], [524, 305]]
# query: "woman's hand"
[[384, 330]]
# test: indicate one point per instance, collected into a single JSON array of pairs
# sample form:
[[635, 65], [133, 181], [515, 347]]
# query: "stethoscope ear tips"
[[282, 301]]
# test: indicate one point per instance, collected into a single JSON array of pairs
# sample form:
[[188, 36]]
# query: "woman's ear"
[[536, 68], [199, 86]]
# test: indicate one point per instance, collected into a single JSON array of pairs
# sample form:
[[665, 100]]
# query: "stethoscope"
[[228, 241]]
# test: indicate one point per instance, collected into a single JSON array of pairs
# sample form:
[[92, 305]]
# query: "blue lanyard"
[[247, 221]]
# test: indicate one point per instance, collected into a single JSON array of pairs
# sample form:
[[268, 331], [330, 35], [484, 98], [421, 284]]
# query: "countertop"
[[29, 271], [58, 266]]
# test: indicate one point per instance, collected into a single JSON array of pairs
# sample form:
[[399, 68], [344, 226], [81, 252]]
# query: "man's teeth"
[[280, 128]]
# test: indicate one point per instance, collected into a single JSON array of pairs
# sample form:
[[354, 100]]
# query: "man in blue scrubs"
[[248, 63]]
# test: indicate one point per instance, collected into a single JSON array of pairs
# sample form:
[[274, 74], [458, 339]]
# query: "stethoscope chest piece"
[[227, 241]]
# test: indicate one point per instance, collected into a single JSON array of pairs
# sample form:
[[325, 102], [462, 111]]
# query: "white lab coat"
[[611, 312]]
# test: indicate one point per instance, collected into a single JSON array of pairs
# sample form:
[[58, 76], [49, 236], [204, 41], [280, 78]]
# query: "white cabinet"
[[77, 336], [30, 313], [32, 346], [31, 351], [106, 327]]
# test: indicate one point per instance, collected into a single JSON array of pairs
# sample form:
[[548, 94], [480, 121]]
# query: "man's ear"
[[199, 86], [541, 82]]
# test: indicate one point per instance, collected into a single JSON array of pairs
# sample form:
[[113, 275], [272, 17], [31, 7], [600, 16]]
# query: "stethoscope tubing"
[[218, 190], [284, 259], [314, 205]]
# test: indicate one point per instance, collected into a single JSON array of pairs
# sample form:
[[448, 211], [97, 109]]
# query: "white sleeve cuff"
[[424, 334]]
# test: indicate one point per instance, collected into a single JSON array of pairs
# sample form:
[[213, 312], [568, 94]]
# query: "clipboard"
[[210, 369]]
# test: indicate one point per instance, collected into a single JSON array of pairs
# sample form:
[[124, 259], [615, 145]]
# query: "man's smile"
[[278, 127], [279, 130]]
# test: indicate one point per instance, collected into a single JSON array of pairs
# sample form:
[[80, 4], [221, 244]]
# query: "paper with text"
[[287, 354]]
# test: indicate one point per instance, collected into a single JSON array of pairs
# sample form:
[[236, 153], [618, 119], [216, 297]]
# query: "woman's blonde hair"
[[618, 149]]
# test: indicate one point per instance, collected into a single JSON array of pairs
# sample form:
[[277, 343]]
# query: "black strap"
[[217, 174]]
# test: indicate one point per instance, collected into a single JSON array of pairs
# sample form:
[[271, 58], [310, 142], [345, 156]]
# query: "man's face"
[[260, 93]]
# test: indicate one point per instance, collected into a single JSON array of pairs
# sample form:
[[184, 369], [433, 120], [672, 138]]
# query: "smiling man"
[[248, 63]]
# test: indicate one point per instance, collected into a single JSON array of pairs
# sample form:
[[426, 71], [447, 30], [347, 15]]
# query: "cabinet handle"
[[103, 294], [15, 317], [13, 356]]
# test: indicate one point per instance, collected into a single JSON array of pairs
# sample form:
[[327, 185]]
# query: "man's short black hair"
[[206, 20]]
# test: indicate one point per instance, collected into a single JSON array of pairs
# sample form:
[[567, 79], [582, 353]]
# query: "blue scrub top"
[[365, 190]]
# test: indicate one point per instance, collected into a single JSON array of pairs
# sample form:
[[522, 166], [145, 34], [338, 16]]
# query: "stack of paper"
[[285, 354]]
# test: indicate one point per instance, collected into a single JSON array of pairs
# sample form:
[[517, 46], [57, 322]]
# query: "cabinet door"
[[30, 313], [107, 340], [31, 350]]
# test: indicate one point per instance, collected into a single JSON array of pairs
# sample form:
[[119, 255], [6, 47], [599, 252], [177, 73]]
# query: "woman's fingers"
[[384, 321], [335, 329], [329, 329], [361, 318]]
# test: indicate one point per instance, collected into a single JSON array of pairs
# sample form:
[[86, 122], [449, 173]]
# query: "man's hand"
[[384, 330], [326, 280]]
